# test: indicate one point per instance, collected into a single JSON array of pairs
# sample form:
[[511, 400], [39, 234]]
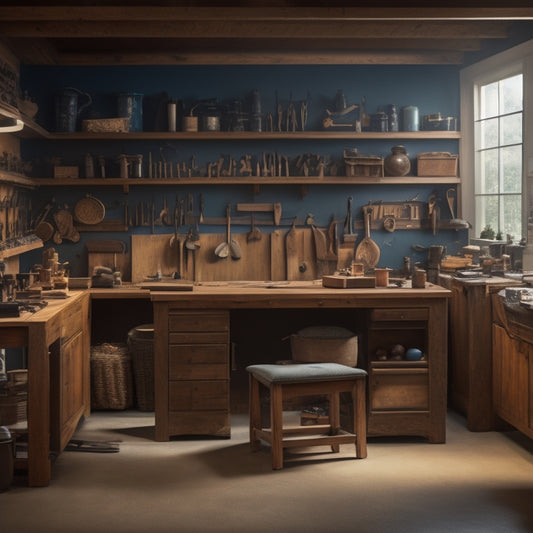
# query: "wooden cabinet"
[[198, 373], [512, 362], [512, 343], [471, 348], [406, 398], [398, 390], [70, 375]]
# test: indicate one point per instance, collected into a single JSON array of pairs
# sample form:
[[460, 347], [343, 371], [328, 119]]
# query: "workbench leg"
[[39, 467]]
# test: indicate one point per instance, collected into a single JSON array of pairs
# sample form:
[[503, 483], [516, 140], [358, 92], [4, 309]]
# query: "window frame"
[[516, 60]]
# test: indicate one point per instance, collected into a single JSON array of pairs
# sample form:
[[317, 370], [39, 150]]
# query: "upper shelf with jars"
[[212, 123]]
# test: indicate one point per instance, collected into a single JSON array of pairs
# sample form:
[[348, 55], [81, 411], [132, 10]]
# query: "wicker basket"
[[111, 377], [13, 408], [324, 344], [141, 347]]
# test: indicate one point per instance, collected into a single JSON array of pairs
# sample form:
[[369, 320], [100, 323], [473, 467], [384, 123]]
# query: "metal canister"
[[131, 105], [379, 121], [392, 113], [7, 458], [410, 119]]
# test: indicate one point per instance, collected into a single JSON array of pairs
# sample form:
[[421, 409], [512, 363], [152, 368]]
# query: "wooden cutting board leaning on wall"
[[278, 256]]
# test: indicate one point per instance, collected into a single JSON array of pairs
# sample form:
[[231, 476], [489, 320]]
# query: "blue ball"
[[413, 354]]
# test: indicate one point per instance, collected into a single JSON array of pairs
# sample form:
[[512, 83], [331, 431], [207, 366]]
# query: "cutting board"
[[150, 252], [254, 263], [300, 255]]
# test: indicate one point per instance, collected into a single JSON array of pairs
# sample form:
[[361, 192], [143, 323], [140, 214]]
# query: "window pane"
[[488, 133], [487, 212], [511, 169], [511, 129], [512, 218], [489, 100], [487, 182], [511, 95]]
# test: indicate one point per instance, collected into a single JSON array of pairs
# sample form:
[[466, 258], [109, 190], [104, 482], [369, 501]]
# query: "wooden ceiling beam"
[[251, 29], [147, 13], [267, 57], [201, 45], [35, 51]]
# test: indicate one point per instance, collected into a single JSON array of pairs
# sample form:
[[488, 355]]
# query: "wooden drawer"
[[199, 423], [198, 395], [198, 321], [198, 361], [72, 322], [393, 389], [221, 337], [388, 315]]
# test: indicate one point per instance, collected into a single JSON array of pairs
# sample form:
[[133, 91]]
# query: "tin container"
[[437, 123], [131, 105], [410, 118], [379, 122]]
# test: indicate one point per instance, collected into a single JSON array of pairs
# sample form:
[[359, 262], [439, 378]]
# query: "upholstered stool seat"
[[293, 380]]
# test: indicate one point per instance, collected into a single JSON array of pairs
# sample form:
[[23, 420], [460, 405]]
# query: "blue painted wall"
[[433, 89]]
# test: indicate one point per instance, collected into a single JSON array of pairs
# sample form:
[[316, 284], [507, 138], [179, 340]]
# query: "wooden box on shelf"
[[106, 125], [65, 172], [436, 164], [368, 166]]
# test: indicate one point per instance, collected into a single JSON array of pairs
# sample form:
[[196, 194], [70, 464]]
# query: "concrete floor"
[[476, 482]]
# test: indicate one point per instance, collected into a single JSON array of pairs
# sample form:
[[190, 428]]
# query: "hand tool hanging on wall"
[[275, 208], [367, 251]]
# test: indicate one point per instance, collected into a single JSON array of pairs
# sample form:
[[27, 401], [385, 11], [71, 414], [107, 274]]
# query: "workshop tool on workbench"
[[367, 251]]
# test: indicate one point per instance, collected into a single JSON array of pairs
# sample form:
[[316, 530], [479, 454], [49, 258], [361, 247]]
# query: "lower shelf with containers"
[[398, 369]]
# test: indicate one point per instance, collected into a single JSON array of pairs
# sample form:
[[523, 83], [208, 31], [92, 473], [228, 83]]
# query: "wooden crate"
[[364, 166], [106, 125], [435, 164], [65, 172]]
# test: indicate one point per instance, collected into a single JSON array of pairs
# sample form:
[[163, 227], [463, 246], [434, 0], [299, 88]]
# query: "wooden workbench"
[[192, 340], [57, 341]]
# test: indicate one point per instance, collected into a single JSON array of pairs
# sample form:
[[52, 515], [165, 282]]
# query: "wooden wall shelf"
[[126, 183], [17, 250], [249, 135], [17, 179]]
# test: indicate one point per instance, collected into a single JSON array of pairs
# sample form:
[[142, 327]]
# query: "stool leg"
[[276, 425], [334, 418], [255, 413], [359, 413]]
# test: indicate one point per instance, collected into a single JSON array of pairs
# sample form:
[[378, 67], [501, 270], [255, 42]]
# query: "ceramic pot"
[[397, 163]]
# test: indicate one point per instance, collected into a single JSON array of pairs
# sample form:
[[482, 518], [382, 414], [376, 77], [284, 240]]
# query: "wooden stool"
[[289, 381]]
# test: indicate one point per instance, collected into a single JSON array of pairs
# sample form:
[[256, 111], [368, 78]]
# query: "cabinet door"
[[68, 368], [511, 378]]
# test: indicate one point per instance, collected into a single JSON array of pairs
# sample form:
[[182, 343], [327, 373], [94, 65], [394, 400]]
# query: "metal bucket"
[[68, 109]]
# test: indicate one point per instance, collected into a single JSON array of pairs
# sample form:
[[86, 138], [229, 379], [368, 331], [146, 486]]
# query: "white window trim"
[[505, 64]]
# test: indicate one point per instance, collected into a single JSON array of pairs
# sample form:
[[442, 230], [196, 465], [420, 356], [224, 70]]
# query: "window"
[[497, 143], [498, 159]]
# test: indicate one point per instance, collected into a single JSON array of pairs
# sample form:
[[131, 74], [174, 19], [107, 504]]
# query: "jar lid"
[[5, 434]]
